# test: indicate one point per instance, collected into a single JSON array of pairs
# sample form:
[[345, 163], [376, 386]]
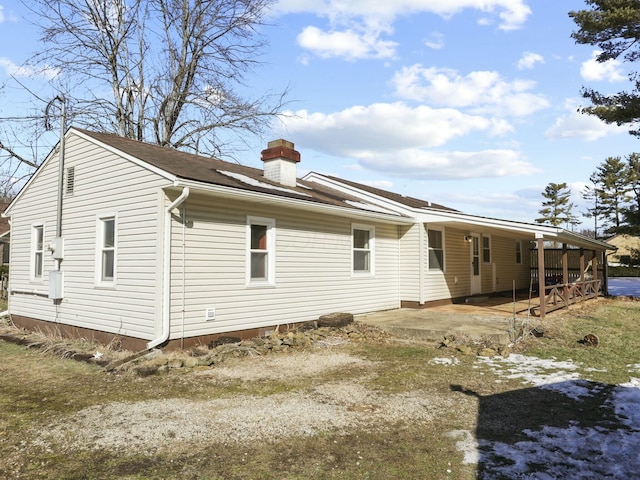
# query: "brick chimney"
[[280, 162]]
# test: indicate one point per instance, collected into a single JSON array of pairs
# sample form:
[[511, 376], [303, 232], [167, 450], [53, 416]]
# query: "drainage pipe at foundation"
[[166, 274]]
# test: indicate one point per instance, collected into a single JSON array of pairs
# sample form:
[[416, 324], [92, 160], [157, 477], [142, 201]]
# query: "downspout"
[[421, 265], [166, 274]]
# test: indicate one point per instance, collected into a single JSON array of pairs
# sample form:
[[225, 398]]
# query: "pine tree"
[[557, 207], [611, 180]]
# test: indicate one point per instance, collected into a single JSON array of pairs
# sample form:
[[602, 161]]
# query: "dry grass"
[[40, 391]]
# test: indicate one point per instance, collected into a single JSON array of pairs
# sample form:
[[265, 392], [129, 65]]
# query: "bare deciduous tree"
[[169, 72]]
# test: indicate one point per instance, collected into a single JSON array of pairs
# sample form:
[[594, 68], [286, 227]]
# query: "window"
[[261, 250], [486, 249], [107, 250], [518, 252], [37, 247], [436, 250], [362, 241]]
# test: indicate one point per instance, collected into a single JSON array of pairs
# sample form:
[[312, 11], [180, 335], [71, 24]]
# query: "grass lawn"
[[455, 401]]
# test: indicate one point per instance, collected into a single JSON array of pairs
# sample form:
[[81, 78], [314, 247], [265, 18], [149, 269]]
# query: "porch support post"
[[594, 268], [582, 266], [541, 278], [565, 272]]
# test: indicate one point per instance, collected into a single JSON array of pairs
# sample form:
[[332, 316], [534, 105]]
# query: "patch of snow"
[[532, 370], [569, 452], [634, 367], [257, 183], [444, 361], [466, 444], [562, 452], [624, 286]]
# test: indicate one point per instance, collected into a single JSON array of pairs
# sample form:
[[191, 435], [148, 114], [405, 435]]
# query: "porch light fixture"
[[468, 238]]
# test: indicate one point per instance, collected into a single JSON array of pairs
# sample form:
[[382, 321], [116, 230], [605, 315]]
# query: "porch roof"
[[511, 228]]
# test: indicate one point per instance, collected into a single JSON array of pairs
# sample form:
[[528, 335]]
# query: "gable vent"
[[71, 180]]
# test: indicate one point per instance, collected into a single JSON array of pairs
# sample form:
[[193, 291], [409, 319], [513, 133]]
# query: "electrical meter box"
[[56, 284]]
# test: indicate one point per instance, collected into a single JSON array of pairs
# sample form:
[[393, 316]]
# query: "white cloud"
[[2, 14], [362, 23], [22, 71], [426, 164], [512, 13], [610, 71], [483, 91], [529, 60], [399, 140], [582, 126], [383, 126], [436, 41], [349, 44]]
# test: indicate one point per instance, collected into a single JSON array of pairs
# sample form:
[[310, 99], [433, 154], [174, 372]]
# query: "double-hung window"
[[37, 248], [260, 251], [363, 241], [436, 250], [486, 249], [519, 252], [106, 252]]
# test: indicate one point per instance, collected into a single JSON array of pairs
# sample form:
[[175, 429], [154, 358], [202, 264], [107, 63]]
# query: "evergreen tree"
[[611, 180], [613, 26], [631, 212], [557, 207]]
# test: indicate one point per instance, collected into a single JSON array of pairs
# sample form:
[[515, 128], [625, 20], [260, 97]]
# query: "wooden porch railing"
[[562, 295]]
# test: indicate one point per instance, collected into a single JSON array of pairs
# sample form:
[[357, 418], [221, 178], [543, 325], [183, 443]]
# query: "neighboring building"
[[628, 252], [5, 234], [162, 246]]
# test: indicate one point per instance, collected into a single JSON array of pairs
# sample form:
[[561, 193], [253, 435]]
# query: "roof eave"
[[242, 194]]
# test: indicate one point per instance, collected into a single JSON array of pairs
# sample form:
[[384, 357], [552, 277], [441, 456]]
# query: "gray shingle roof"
[[213, 171]]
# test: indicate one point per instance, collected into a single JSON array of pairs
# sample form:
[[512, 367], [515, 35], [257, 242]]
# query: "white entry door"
[[476, 285]]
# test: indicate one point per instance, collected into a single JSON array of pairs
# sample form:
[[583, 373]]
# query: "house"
[[628, 252], [118, 238], [5, 234]]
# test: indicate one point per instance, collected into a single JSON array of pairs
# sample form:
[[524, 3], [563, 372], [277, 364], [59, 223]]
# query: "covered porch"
[[564, 267]]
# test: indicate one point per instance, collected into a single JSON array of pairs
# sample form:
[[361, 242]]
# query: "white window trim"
[[518, 242], [99, 282], [482, 249], [444, 252], [32, 261], [372, 250], [270, 223]]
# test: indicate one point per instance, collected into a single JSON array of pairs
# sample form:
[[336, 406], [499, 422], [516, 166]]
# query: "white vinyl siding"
[[454, 282], [410, 262], [131, 308], [313, 266]]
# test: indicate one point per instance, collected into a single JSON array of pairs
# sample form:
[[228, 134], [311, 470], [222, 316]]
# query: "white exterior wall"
[[104, 184], [410, 262], [313, 268], [454, 282]]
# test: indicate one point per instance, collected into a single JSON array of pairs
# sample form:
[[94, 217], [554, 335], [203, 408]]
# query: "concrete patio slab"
[[488, 318]]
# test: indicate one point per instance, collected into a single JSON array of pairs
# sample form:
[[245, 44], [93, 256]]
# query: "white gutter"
[[247, 195], [166, 274]]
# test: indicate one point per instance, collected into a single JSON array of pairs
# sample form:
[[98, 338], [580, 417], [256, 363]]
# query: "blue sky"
[[467, 103]]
